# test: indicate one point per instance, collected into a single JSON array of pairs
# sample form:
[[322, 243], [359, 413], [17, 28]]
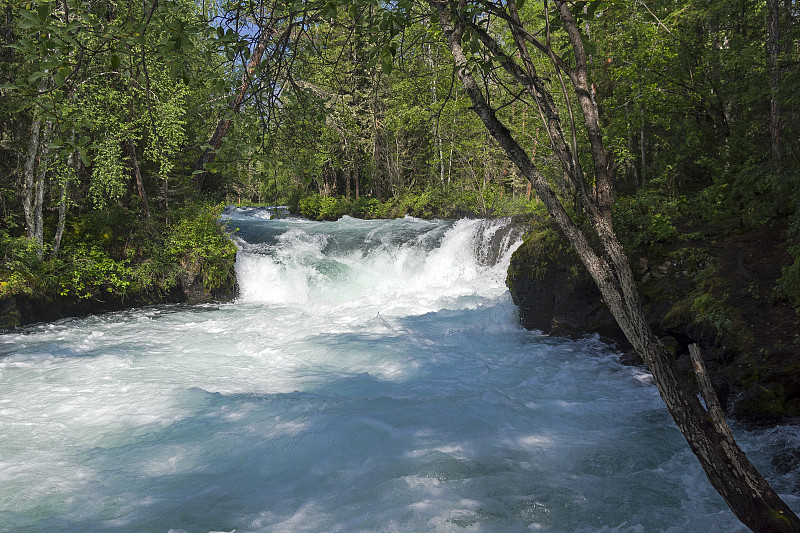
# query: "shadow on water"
[[523, 433], [501, 444]]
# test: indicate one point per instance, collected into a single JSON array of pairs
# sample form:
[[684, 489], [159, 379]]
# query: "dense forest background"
[[125, 125]]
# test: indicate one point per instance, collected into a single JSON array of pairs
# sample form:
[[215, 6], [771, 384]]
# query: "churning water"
[[370, 377]]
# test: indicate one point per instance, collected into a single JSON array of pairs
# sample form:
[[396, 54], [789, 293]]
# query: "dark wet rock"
[[719, 295], [552, 289], [194, 292], [21, 310]]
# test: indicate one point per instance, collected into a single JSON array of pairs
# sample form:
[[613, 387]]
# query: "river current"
[[370, 377]]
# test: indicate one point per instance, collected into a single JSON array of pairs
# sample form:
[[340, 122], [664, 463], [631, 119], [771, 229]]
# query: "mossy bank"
[[721, 291], [111, 260]]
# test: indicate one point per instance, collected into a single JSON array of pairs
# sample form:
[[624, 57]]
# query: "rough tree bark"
[[746, 492], [29, 178], [137, 176], [41, 174], [224, 124], [62, 218], [773, 46]]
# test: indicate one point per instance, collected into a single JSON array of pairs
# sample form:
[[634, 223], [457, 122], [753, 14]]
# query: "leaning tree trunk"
[[745, 491], [137, 176], [224, 124], [263, 43]]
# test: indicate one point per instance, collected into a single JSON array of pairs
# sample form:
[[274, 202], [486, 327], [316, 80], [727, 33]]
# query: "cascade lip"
[[265, 212]]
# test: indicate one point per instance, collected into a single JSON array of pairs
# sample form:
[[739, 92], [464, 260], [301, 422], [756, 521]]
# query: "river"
[[371, 376]]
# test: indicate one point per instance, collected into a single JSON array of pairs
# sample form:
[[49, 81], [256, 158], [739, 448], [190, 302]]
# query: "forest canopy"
[[134, 110]]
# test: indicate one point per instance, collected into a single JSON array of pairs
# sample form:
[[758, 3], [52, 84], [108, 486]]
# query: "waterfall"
[[371, 377]]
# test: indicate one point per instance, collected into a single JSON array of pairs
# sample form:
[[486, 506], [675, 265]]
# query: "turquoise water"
[[370, 377]]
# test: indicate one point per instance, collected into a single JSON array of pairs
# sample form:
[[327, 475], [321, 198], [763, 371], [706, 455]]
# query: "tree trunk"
[[29, 177], [35, 187], [62, 201], [137, 175], [224, 124], [642, 147], [773, 46], [41, 174], [62, 211], [746, 492]]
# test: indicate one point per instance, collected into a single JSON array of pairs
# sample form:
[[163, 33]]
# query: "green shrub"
[[112, 253], [789, 282], [20, 265], [318, 207], [87, 271], [646, 219], [198, 243]]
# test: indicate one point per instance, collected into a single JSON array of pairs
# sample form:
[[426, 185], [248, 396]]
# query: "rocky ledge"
[[719, 293], [20, 310]]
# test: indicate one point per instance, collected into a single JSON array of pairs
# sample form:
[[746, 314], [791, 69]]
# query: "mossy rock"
[[553, 290], [10, 317], [765, 400]]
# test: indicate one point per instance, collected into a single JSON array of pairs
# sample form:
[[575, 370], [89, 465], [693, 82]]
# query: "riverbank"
[[111, 261], [720, 291], [716, 288]]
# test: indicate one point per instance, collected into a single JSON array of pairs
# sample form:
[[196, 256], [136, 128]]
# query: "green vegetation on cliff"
[[115, 119], [111, 259]]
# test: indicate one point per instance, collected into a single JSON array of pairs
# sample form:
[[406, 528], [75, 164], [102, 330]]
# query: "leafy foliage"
[[354, 109], [109, 254]]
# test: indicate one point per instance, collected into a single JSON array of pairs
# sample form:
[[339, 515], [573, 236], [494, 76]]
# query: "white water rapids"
[[370, 377]]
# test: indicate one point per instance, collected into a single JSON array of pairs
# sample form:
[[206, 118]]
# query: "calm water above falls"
[[371, 377]]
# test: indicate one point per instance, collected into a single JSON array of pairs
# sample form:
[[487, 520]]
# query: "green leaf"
[[36, 75], [386, 63], [87, 162], [27, 24], [115, 62], [8, 87], [29, 15], [59, 78], [23, 45], [329, 11], [43, 11]]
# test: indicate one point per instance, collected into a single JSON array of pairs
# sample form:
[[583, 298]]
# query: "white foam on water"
[[371, 377]]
